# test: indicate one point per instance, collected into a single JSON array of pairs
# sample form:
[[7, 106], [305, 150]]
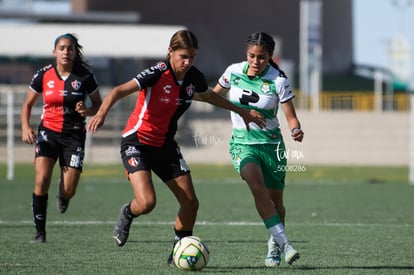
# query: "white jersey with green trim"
[[262, 93]]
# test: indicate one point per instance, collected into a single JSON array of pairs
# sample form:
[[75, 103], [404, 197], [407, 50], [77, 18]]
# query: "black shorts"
[[167, 162], [68, 146]]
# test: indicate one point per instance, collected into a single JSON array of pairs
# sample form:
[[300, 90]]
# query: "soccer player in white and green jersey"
[[259, 154]]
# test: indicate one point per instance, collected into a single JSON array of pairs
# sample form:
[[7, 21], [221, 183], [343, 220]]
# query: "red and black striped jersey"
[[161, 101], [61, 95]]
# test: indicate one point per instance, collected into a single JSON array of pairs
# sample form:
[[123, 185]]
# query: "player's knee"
[[191, 204], [147, 205]]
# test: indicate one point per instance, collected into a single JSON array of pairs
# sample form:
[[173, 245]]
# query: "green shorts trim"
[[271, 158]]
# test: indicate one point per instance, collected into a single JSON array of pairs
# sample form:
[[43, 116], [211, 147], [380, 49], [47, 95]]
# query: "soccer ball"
[[190, 254]]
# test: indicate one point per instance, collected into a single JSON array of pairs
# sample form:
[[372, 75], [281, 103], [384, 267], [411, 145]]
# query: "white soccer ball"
[[190, 254]]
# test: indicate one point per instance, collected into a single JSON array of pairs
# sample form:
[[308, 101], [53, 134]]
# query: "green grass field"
[[343, 220]]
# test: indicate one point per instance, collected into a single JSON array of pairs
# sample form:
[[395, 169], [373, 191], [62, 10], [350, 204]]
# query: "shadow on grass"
[[375, 267], [208, 241], [232, 269]]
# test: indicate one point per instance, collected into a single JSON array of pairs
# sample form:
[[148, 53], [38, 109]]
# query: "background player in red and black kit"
[[64, 87], [165, 93]]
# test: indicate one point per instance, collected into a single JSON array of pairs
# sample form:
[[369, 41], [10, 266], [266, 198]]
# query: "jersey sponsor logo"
[[63, 93], [41, 137], [51, 84], [190, 90], [34, 77], [76, 84], [164, 99], [225, 80], [145, 72], [131, 151], [161, 66], [167, 89], [133, 162], [180, 101], [249, 97]]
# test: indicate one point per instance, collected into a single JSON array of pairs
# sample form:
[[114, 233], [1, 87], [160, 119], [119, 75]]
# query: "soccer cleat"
[[291, 255], [273, 258], [61, 203], [122, 226], [170, 260], [40, 237]]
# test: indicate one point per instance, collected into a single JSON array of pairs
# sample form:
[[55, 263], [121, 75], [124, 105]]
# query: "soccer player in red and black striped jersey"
[[165, 93], [64, 88]]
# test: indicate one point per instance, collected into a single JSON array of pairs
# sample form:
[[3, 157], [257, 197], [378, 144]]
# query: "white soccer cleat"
[[291, 255], [273, 258]]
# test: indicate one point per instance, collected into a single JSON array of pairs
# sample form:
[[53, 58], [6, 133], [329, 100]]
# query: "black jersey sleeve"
[[151, 75], [91, 84], [37, 81]]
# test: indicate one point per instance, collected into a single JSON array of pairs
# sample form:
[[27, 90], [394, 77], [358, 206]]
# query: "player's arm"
[[218, 89], [247, 115], [114, 95], [292, 120], [28, 133]]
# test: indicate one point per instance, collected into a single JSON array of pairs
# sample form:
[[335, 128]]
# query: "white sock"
[[278, 234]]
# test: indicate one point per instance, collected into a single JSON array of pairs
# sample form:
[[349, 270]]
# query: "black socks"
[[182, 234], [39, 208], [128, 214]]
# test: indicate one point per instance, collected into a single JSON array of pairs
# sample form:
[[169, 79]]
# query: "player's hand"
[[297, 134], [253, 116], [95, 122], [80, 107], [28, 135]]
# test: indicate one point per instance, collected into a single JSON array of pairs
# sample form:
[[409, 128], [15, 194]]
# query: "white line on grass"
[[207, 223]]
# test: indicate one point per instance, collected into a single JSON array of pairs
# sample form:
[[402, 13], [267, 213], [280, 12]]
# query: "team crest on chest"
[[265, 87], [190, 89], [76, 85]]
